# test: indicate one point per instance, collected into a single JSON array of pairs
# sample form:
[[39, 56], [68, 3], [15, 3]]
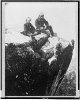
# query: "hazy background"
[[61, 15]]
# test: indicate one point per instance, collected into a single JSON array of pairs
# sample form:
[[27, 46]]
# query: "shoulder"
[[44, 19], [26, 24], [46, 22], [37, 20], [30, 24]]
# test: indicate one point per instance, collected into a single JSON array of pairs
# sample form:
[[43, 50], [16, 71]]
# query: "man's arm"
[[25, 29], [46, 23], [37, 24], [32, 27]]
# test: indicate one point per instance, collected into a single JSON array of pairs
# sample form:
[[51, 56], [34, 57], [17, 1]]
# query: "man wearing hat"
[[41, 24]]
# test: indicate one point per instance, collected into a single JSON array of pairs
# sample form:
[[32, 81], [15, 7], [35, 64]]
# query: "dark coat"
[[40, 23], [28, 28]]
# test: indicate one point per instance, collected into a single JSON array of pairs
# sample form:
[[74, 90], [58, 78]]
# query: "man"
[[28, 27], [42, 24]]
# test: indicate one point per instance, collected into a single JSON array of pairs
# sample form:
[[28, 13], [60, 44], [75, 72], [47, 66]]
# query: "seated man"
[[42, 24], [28, 27]]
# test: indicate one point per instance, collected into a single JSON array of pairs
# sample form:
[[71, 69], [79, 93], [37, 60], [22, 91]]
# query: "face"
[[28, 21], [42, 16]]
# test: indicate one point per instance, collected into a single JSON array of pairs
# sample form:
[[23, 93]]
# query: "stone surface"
[[32, 68]]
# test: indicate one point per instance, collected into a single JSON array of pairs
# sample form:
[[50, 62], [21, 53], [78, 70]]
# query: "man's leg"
[[51, 30], [38, 31], [25, 33], [46, 32]]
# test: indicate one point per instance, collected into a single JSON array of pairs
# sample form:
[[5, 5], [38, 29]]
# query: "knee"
[[49, 27]]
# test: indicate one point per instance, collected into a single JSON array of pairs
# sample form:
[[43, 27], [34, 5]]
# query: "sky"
[[62, 16]]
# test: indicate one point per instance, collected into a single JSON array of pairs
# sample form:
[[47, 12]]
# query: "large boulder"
[[36, 68]]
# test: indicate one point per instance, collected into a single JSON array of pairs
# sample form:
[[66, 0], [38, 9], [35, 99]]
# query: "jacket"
[[40, 22], [28, 27]]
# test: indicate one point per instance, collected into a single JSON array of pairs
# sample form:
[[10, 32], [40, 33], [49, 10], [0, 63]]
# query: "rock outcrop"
[[38, 67]]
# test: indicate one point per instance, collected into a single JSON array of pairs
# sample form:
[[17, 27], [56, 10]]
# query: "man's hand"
[[37, 29], [41, 28], [35, 33]]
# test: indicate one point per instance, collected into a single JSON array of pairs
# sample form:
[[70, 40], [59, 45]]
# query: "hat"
[[41, 14]]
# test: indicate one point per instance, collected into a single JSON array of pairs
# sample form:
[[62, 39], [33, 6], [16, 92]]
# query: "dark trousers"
[[46, 32], [51, 30]]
